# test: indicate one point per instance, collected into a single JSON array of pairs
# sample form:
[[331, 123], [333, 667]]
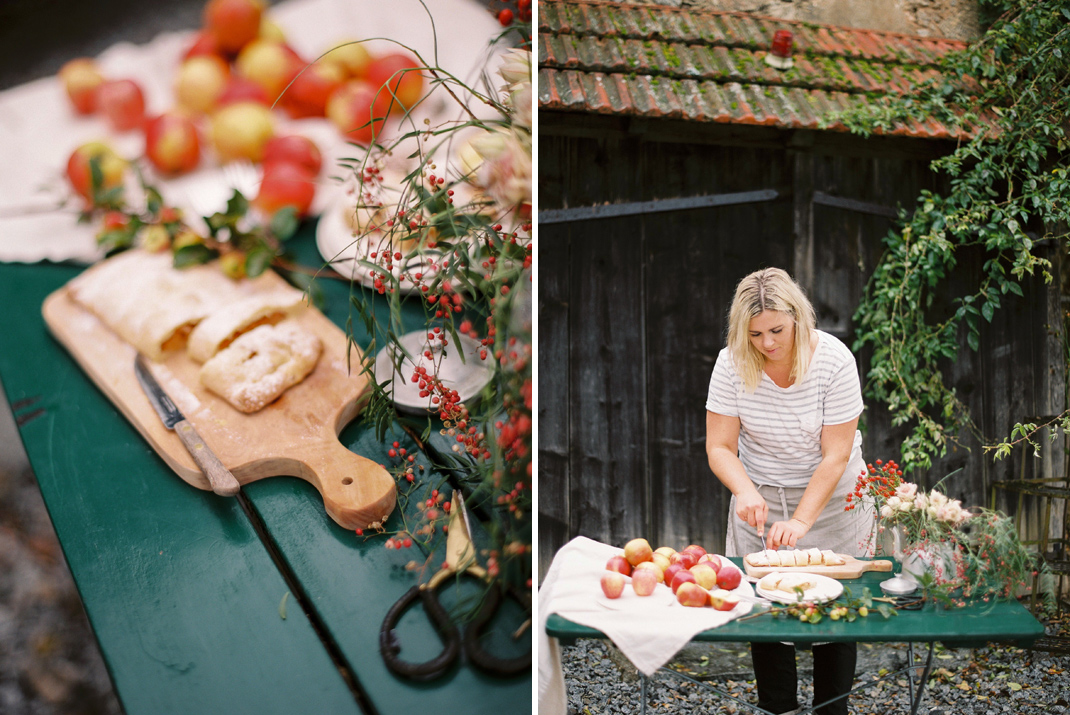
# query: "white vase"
[[936, 559]]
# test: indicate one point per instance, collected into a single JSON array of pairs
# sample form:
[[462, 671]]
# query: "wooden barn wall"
[[632, 314]]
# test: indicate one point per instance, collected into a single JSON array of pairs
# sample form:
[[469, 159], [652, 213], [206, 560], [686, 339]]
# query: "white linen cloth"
[[649, 631], [39, 129]]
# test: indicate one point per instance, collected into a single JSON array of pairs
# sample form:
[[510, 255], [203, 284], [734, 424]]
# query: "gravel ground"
[[49, 660], [985, 681]]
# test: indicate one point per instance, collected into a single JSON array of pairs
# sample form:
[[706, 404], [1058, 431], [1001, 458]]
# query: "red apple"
[[712, 559], [241, 131], [172, 144], [307, 95], [637, 551], [286, 185], [644, 581], [293, 149], [693, 595], [612, 584], [354, 110], [619, 564], [653, 568], [723, 600], [671, 571], [204, 43], [233, 23], [272, 65], [681, 577], [200, 81], [729, 576], [696, 549], [79, 173], [82, 79], [686, 558], [270, 30], [661, 560], [704, 574], [399, 76], [242, 89], [353, 57], [122, 103]]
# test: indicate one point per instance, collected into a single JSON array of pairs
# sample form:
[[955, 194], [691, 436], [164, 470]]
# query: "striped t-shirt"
[[780, 427]]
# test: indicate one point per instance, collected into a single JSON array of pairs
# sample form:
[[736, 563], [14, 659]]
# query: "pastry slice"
[[770, 581], [261, 364], [787, 558], [813, 556], [148, 302], [224, 325], [758, 558], [831, 558], [792, 581]]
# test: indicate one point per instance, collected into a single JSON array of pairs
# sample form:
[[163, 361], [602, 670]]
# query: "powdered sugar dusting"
[[261, 364]]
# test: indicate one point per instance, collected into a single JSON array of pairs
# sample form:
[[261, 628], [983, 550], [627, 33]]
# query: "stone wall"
[[953, 19]]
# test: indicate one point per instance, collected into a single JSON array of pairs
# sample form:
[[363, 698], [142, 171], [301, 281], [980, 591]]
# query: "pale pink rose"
[[516, 67], [907, 490], [887, 512], [949, 512], [505, 174], [521, 99]]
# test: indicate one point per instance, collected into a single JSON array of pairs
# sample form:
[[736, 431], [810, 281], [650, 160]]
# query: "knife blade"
[[223, 482]]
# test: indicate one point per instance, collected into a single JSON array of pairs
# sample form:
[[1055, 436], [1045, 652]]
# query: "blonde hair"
[[768, 289]]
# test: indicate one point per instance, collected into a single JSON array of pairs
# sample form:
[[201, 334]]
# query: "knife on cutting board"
[[223, 482]]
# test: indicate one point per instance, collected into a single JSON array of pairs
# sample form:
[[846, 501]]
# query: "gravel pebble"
[[983, 681]]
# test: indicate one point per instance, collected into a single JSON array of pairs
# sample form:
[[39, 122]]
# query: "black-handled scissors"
[[460, 561]]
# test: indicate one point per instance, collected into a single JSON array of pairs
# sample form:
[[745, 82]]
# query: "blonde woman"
[[782, 435]]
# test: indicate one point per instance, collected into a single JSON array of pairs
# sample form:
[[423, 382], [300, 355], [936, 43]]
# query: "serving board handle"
[[356, 491], [877, 565]]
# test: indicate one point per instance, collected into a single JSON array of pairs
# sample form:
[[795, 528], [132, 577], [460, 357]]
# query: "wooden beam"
[[634, 208]]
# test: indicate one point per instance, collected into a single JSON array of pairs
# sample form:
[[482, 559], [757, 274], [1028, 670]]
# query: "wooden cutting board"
[[297, 435], [852, 568]]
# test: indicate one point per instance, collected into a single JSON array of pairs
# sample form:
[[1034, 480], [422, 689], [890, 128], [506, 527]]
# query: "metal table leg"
[[915, 703]]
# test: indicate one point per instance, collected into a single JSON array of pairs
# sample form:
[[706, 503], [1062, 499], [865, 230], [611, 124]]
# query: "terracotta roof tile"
[[646, 60]]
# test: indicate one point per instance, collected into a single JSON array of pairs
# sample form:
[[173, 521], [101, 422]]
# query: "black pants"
[[774, 672]]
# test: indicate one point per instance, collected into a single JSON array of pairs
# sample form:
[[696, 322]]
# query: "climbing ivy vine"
[[1009, 189]]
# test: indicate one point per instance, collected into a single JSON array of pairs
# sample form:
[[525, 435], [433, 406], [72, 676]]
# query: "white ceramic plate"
[[343, 251], [468, 378], [825, 589]]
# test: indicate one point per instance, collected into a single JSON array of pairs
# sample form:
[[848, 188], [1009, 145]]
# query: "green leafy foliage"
[[1008, 183]]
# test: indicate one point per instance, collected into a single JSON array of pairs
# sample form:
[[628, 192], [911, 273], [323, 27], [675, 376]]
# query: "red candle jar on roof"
[[780, 55], [782, 43]]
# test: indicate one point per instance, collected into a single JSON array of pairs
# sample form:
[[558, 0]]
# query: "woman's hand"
[[751, 508], [786, 533]]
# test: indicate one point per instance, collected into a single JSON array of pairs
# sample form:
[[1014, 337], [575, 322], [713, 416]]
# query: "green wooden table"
[[974, 625], [183, 588]]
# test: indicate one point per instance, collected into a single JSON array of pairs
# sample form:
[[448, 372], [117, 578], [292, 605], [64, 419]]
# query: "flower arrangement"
[[971, 553], [441, 219]]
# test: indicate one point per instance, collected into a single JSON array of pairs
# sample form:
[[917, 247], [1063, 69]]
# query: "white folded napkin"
[[649, 631], [39, 129]]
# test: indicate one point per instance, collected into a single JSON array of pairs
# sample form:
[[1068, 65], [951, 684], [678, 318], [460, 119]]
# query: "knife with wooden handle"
[[222, 481]]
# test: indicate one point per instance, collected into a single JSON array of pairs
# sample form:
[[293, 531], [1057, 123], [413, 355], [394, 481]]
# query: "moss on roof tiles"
[[671, 57], [667, 51]]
